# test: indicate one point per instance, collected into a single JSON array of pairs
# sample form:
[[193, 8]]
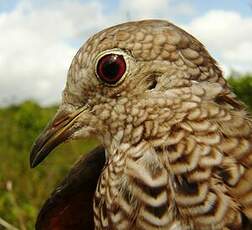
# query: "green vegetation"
[[242, 86], [23, 190]]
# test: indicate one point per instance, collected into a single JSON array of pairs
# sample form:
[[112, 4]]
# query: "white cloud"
[[36, 49], [38, 40], [228, 35]]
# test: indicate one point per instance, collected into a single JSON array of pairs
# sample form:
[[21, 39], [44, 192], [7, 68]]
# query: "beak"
[[58, 131]]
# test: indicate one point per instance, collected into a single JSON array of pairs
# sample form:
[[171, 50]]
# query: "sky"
[[38, 38]]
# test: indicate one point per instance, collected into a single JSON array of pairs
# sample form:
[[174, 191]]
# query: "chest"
[[132, 192]]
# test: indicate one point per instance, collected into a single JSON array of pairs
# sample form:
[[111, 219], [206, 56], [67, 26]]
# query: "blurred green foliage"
[[242, 87], [22, 190]]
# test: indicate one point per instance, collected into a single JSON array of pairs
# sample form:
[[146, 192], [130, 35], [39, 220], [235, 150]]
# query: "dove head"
[[117, 82]]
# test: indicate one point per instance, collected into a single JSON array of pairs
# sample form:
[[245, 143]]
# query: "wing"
[[212, 161], [70, 205]]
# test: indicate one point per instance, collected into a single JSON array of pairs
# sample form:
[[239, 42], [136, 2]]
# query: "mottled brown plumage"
[[177, 140]]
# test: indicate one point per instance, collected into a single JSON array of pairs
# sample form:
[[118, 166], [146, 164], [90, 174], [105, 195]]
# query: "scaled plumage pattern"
[[177, 140]]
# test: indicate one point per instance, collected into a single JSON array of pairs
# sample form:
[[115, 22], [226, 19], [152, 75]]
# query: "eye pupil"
[[111, 68]]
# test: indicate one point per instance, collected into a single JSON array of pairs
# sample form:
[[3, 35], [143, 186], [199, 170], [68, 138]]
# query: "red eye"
[[111, 68]]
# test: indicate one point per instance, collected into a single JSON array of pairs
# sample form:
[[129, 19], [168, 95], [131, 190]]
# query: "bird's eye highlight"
[[111, 68]]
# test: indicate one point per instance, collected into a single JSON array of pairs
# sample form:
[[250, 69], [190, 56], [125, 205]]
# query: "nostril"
[[152, 83]]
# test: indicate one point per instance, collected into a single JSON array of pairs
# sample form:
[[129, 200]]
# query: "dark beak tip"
[[54, 134], [36, 157], [33, 162]]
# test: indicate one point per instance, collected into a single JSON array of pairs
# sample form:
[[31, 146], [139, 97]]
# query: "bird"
[[176, 142]]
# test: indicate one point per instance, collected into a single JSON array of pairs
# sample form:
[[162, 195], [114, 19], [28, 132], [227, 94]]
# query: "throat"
[[133, 184]]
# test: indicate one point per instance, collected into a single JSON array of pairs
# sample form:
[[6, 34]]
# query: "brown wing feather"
[[70, 205]]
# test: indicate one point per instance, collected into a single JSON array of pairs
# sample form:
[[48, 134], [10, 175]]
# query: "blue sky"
[[243, 6], [200, 5], [40, 37]]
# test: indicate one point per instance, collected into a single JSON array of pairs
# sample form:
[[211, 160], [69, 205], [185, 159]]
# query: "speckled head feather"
[[177, 141], [152, 47]]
